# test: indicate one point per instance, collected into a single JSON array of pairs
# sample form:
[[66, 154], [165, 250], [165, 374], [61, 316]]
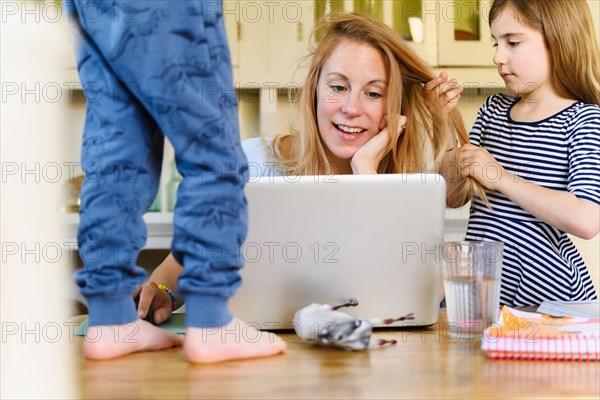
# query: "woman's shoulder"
[[262, 160], [257, 146]]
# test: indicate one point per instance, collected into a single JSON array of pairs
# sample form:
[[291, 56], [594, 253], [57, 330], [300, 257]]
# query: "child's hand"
[[478, 163], [151, 298], [367, 158], [441, 95]]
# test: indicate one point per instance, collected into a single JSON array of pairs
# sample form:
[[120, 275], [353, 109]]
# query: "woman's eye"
[[337, 88], [513, 44], [374, 95]]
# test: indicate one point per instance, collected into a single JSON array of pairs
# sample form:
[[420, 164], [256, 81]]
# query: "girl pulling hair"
[[537, 153]]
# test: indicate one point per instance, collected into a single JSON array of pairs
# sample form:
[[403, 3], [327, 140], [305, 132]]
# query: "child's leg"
[[175, 60], [211, 213], [121, 157]]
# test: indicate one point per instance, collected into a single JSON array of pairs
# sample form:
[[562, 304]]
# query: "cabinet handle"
[[239, 30], [299, 31]]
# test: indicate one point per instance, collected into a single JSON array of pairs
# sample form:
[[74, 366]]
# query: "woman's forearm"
[[167, 273]]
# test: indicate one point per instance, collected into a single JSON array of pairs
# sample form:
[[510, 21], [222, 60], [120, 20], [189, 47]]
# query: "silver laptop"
[[330, 239]]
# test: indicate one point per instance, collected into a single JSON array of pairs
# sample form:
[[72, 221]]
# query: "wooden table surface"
[[424, 364]]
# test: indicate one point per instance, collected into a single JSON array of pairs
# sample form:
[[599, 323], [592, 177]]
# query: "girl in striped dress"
[[537, 153]]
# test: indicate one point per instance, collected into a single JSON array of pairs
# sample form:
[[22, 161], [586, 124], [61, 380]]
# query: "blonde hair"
[[568, 29], [303, 151]]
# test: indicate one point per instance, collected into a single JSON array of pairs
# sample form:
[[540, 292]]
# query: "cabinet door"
[[273, 37], [465, 38], [410, 19], [253, 23], [414, 21], [289, 33]]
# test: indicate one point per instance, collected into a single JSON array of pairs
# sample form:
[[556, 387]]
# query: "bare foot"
[[237, 340], [103, 342]]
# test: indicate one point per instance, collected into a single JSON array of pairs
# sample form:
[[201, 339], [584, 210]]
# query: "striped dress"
[[561, 152]]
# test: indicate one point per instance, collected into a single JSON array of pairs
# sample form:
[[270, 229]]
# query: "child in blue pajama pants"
[[150, 68]]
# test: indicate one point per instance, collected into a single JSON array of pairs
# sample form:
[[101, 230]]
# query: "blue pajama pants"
[[148, 69]]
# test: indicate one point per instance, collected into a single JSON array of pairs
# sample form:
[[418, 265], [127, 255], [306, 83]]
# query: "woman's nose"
[[351, 105]]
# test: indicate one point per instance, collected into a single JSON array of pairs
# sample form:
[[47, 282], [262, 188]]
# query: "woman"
[[369, 105]]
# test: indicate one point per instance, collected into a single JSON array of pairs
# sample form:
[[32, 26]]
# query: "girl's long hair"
[[303, 151], [568, 29]]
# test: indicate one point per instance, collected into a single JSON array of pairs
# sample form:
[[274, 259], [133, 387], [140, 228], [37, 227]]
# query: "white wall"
[[35, 354]]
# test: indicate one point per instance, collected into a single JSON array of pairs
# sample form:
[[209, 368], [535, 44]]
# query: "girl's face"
[[522, 58], [351, 98]]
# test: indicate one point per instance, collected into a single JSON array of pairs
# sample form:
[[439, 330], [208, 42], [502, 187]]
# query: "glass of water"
[[472, 272]]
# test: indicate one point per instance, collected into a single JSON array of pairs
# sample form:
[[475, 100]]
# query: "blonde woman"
[[369, 105], [418, 121]]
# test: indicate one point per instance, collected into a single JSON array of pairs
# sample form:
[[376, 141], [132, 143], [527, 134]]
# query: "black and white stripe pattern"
[[561, 152]]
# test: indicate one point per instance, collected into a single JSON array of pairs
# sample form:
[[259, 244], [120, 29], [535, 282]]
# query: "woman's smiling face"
[[351, 98]]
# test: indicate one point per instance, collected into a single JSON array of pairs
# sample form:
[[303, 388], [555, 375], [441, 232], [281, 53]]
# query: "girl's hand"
[[478, 163], [441, 95], [367, 158], [151, 298]]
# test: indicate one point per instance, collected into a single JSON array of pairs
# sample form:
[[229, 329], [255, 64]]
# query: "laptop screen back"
[[328, 239]]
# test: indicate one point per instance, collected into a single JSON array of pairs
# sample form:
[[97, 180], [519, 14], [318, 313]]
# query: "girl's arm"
[[562, 210], [151, 297]]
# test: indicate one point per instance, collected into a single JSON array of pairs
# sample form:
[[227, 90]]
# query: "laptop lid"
[[329, 239]]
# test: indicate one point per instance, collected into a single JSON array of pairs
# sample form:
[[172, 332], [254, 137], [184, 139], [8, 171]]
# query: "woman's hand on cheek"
[[367, 158]]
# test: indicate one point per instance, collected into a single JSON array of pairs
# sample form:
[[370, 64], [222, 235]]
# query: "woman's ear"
[[403, 121]]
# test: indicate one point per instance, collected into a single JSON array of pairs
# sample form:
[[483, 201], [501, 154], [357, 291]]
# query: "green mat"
[[176, 325]]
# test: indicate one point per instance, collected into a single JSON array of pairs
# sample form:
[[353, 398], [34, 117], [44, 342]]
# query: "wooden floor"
[[425, 364]]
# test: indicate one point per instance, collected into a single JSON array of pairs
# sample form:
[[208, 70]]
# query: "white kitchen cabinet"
[[446, 33], [268, 41], [272, 37], [443, 32], [464, 34], [408, 18]]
